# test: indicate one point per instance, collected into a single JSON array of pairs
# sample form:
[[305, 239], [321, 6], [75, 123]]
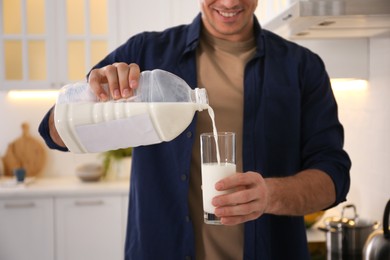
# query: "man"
[[274, 95]]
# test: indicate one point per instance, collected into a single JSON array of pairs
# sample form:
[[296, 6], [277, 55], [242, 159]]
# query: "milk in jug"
[[162, 107]]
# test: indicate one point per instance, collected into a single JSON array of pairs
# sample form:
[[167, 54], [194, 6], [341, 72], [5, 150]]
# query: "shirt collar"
[[193, 34], [259, 37], [194, 29]]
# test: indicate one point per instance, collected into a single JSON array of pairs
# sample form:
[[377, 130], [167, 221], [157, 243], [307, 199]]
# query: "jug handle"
[[386, 232]]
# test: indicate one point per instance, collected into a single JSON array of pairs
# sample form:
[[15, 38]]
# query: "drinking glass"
[[218, 159]]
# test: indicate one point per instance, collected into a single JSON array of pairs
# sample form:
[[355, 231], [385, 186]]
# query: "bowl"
[[89, 172]]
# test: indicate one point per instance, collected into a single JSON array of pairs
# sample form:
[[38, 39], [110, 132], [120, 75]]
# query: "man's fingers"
[[96, 79], [123, 71], [134, 75], [238, 197], [111, 73], [122, 78], [230, 221], [236, 180]]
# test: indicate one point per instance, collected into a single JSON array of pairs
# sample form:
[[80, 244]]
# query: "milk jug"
[[162, 107]]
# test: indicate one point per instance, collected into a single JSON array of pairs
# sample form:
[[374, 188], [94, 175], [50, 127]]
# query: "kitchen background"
[[364, 112]]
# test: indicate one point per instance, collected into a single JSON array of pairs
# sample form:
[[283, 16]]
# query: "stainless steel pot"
[[345, 237], [377, 246]]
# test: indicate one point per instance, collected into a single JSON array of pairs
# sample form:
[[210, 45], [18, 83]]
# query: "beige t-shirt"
[[220, 66]]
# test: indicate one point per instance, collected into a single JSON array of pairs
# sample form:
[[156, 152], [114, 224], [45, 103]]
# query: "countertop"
[[61, 186], [315, 236], [73, 186]]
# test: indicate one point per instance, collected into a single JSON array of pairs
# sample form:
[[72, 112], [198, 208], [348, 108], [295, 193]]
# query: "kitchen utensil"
[[345, 237], [1, 167], [377, 246], [89, 172], [20, 174], [25, 152]]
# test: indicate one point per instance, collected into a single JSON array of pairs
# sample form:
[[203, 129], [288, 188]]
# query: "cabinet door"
[[26, 43], [125, 206], [87, 31], [88, 228], [46, 44], [26, 229]]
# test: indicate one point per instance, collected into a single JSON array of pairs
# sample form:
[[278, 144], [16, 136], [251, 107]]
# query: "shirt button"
[[188, 258], [183, 177], [187, 218], [189, 134]]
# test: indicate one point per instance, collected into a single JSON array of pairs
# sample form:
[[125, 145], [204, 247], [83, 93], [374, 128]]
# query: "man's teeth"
[[227, 14]]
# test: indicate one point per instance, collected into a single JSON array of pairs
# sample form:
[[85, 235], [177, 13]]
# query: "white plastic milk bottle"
[[162, 107]]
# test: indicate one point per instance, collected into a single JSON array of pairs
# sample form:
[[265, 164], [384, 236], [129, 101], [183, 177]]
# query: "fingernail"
[[126, 92], [219, 212], [133, 84], [219, 186], [103, 97], [117, 93]]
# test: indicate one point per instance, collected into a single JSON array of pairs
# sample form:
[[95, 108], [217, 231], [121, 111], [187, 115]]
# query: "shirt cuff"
[[44, 131]]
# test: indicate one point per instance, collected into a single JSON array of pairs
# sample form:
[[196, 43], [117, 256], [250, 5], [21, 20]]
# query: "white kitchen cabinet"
[[26, 229], [89, 227], [63, 218], [45, 44], [125, 206]]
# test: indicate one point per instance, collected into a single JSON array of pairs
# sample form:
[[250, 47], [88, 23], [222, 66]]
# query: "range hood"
[[316, 19]]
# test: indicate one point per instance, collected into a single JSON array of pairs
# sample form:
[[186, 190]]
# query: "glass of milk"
[[218, 159]]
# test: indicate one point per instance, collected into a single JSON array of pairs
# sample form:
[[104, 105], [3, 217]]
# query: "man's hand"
[[248, 201], [121, 78], [297, 195]]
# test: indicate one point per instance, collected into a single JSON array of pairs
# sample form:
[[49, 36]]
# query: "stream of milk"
[[215, 132]]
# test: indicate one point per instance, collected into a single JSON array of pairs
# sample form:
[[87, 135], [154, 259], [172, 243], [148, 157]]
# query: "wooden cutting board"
[[25, 152]]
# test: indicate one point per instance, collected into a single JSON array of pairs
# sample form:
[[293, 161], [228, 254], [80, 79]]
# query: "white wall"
[[366, 119], [154, 15]]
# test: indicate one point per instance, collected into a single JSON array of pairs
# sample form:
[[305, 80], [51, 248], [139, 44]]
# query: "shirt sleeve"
[[323, 134], [44, 131]]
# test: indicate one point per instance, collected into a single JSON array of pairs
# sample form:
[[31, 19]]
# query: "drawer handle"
[[82, 203], [285, 18], [22, 205]]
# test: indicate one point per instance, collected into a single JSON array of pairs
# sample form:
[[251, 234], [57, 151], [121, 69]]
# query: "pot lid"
[[354, 222], [337, 222]]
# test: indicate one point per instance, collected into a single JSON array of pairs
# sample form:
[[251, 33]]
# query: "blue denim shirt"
[[290, 124]]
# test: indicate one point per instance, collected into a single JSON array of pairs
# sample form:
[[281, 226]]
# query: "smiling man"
[[276, 97], [229, 20]]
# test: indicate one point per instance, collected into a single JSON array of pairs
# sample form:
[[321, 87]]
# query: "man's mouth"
[[228, 14]]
